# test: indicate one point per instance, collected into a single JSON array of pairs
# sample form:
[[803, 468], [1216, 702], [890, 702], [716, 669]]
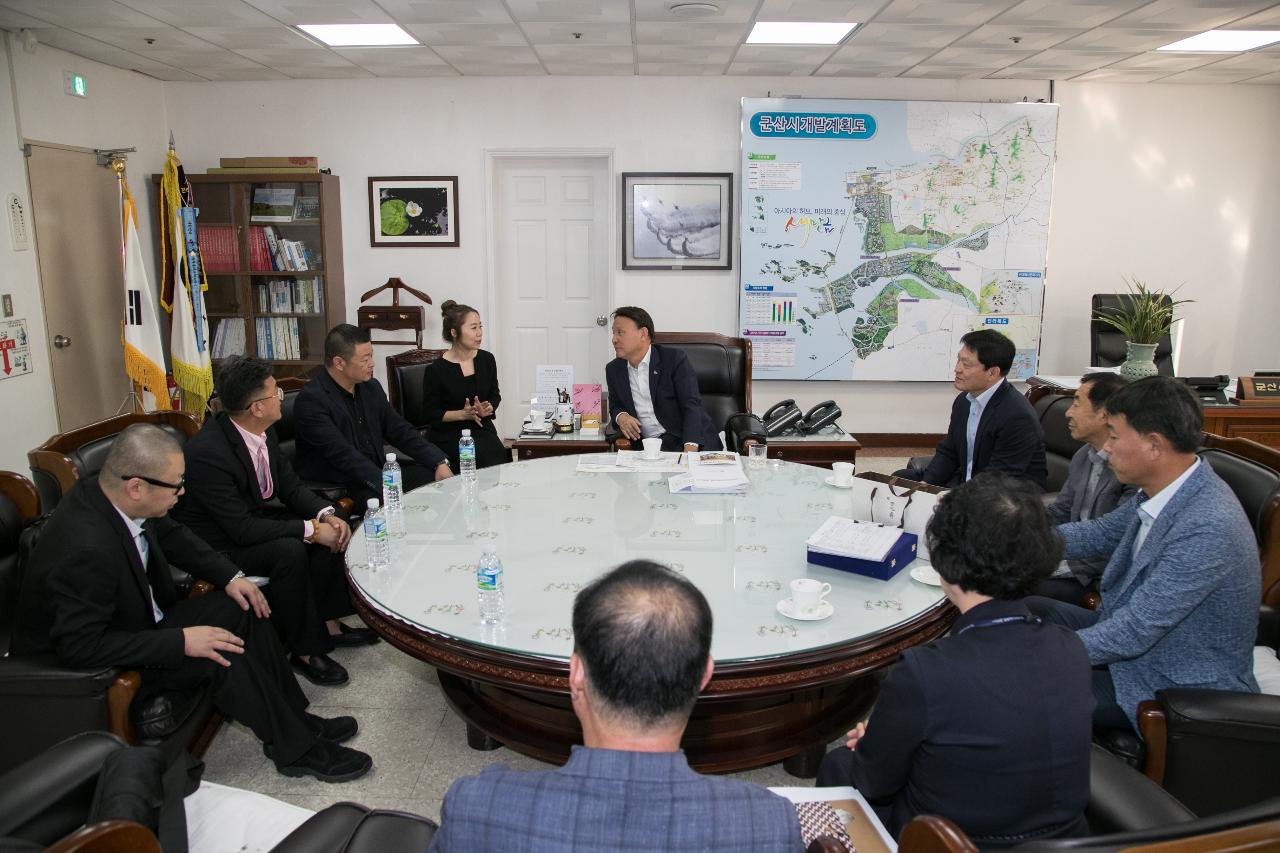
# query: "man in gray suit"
[[1180, 592], [642, 654], [1091, 490]]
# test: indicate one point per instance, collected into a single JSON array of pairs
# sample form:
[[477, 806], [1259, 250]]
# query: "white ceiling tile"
[[1119, 75], [1264, 80], [295, 57], [683, 53], [851, 11], [201, 61], [487, 54], [1125, 39], [907, 35], [1258, 61], [1196, 15], [948, 72], [730, 10], [74, 14], [977, 57], [390, 57], [201, 13], [13, 20], [1001, 36], [435, 34], [575, 69], [731, 34], [378, 70], [324, 72], [598, 11], [770, 69], [1073, 60], [871, 56], [1268, 19], [1073, 13], [446, 11], [969, 13], [268, 38], [243, 74], [561, 32], [675, 69], [1018, 72], [501, 69], [134, 38], [833, 69], [801, 55], [1168, 62], [1211, 74], [584, 54], [322, 11]]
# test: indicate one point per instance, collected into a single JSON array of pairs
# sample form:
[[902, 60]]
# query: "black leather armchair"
[[1107, 344], [286, 435], [723, 367], [405, 372], [352, 828], [1059, 446]]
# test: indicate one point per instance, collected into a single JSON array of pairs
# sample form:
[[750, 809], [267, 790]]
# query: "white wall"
[[124, 109]]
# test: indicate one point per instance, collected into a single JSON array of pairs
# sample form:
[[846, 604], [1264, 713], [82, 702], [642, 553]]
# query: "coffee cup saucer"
[[831, 481], [787, 607]]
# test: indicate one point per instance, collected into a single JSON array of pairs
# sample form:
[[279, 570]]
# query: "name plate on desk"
[[1258, 390]]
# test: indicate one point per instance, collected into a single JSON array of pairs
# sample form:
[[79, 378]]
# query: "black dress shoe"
[[348, 636], [322, 670], [335, 730], [329, 762]]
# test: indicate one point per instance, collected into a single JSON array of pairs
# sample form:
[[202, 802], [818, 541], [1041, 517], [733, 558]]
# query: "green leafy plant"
[[1145, 316]]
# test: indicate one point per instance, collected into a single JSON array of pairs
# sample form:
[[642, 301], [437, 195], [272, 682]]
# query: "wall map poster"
[[876, 233]]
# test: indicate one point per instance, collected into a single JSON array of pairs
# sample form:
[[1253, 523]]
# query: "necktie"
[[263, 468], [144, 551], [1091, 489]]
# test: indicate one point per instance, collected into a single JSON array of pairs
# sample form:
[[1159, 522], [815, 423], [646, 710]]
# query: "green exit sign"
[[74, 84]]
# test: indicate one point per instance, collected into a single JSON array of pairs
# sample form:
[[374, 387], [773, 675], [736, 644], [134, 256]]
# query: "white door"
[[551, 238]]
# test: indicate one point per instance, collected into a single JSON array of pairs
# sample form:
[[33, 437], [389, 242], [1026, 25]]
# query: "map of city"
[[876, 233]]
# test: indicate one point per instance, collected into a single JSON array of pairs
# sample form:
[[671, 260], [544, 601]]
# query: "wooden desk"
[[1259, 423], [561, 444], [821, 449]]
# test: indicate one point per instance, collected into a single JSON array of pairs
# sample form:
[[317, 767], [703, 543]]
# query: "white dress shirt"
[[638, 376], [1150, 509], [144, 548], [976, 406]]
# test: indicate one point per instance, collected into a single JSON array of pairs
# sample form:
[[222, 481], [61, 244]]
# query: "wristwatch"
[[325, 513], [235, 578]]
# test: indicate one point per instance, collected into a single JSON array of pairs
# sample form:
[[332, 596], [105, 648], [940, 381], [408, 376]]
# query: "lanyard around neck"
[[1001, 620]]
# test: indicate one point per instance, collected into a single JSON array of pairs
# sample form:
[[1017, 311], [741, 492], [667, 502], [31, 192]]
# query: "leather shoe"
[[322, 670], [348, 636], [334, 730], [329, 762]]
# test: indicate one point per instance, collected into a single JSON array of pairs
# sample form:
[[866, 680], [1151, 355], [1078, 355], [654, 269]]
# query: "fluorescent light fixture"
[[358, 35], [798, 32], [1226, 41]]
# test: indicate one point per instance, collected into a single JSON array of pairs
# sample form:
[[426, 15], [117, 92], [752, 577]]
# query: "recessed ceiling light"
[[1226, 41], [694, 10], [798, 32], [358, 35]]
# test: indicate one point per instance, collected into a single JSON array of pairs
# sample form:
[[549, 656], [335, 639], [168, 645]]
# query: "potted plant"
[[1144, 317]]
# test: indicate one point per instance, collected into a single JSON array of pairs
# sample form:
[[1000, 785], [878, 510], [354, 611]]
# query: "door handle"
[[600, 321], [61, 341]]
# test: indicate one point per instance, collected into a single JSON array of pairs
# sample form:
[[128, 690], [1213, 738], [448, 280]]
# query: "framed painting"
[[677, 220], [407, 211]]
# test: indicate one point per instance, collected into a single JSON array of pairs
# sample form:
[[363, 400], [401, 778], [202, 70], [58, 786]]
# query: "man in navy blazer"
[[642, 654], [653, 391], [343, 419], [1181, 589], [993, 427]]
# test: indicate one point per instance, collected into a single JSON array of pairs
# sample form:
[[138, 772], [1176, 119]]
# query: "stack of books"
[[296, 296], [228, 338], [716, 472], [218, 248], [278, 338], [269, 251]]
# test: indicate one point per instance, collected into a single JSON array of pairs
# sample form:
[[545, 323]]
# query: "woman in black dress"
[[460, 390]]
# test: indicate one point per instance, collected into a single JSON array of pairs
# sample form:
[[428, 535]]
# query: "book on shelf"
[[218, 248], [290, 296], [279, 338], [272, 204], [228, 338], [270, 251]]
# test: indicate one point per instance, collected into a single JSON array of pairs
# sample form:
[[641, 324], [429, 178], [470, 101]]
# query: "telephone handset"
[[781, 417], [821, 415]]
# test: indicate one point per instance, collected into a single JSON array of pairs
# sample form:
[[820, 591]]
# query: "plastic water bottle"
[[377, 544], [392, 488], [467, 462], [489, 585]]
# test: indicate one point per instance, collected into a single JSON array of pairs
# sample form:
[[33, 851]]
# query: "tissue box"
[[899, 556]]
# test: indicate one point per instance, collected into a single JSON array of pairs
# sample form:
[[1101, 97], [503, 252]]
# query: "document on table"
[[844, 537], [714, 472], [631, 462]]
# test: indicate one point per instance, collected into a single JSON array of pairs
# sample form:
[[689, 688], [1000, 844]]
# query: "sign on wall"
[[15, 349], [876, 233]]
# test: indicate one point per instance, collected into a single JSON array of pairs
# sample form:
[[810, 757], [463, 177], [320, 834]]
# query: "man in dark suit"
[[1091, 490], [653, 391], [343, 419], [98, 592], [993, 427], [245, 500], [642, 654]]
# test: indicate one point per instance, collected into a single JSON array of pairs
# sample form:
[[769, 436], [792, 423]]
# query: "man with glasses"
[[98, 592], [344, 420], [244, 499]]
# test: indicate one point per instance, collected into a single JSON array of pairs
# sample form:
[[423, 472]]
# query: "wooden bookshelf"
[[235, 273]]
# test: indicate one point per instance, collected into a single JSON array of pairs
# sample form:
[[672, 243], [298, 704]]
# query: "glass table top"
[[556, 529]]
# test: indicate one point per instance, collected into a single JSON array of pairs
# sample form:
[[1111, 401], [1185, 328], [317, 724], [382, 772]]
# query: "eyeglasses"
[[279, 395], [179, 486]]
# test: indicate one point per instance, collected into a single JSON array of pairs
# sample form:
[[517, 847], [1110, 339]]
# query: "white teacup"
[[537, 417], [807, 593], [842, 473], [652, 448]]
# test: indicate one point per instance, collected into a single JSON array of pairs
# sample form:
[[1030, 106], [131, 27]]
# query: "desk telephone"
[[786, 414]]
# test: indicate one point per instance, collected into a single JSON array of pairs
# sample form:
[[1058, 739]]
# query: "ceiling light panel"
[[799, 32], [1225, 41], [359, 35]]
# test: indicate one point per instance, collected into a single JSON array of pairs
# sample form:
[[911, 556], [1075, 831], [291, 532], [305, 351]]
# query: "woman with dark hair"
[[991, 725], [460, 390]]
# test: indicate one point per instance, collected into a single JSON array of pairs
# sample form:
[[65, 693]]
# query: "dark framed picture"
[[408, 211], [677, 220]]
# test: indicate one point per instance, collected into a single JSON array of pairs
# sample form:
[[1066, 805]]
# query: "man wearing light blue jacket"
[[1180, 592]]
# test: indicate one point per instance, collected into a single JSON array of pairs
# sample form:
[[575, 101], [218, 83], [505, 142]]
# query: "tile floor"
[[418, 744]]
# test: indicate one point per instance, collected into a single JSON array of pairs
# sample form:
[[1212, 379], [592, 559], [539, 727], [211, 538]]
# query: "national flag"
[[189, 328], [140, 332]]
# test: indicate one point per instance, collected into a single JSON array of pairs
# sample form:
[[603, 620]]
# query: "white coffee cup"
[[652, 448], [842, 473], [807, 593], [536, 417]]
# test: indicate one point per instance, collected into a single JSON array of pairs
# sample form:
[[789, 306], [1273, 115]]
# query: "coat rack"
[[394, 316]]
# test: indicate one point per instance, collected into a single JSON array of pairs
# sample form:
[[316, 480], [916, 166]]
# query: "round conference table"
[[782, 689]]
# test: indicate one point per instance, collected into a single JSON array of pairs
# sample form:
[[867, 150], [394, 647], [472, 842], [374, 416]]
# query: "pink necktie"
[[264, 472]]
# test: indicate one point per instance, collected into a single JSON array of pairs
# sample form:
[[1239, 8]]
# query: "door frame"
[[494, 159]]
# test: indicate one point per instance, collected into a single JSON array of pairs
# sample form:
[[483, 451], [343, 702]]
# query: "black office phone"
[[821, 415], [781, 417]]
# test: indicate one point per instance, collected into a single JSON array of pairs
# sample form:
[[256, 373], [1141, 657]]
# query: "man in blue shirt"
[[642, 643]]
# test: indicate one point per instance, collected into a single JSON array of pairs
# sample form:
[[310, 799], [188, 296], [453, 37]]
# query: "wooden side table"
[[561, 444], [821, 449]]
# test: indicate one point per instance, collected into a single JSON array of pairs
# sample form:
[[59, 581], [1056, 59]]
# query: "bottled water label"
[[488, 578]]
